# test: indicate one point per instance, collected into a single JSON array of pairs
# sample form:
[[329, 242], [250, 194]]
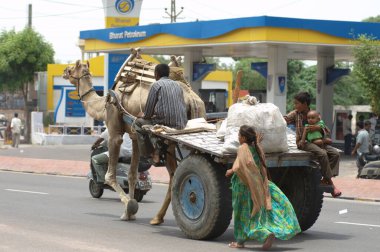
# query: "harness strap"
[[78, 79], [127, 117], [92, 89]]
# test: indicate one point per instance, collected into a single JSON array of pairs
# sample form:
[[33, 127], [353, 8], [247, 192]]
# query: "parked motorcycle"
[[144, 181], [369, 165]]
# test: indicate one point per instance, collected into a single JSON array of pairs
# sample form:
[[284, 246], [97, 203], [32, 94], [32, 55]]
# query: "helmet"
[[376, 149]]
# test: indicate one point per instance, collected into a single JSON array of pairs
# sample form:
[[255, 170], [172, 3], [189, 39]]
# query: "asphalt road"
[[53, 213]]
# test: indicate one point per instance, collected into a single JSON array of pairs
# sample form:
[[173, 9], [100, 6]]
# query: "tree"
[[367, 68], [372, 19], [349, 91], [250, 79], [21, 55], [162, 59], [300, 78]]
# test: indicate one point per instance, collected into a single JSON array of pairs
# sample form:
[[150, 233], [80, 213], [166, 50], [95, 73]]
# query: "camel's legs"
[[132, 174], [171, 165], [114, 142]]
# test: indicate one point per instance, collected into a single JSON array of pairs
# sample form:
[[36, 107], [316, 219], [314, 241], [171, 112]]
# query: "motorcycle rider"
[[362, 142], [100, 161]]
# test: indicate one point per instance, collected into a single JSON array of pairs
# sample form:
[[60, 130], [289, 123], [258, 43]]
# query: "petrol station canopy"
[[275, 39], [240, 37]]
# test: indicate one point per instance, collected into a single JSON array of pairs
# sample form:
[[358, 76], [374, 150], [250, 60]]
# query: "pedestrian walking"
[[362, 142], [347, 133], [16, 130]]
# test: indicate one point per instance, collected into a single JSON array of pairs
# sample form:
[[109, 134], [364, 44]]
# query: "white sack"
[[221, 132], [266, 119]]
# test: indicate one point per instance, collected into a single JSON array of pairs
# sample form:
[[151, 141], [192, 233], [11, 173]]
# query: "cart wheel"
[[301, 186], [201, 198], [96, 190]]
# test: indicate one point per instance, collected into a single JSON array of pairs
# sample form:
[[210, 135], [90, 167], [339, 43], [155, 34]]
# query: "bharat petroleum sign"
[[124, 6], [120, 13]]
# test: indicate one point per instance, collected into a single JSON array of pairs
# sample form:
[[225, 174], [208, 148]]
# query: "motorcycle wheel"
[[96, 190], [139, 195]]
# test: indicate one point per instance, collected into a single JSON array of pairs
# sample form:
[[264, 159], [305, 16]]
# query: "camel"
[[127, 98]]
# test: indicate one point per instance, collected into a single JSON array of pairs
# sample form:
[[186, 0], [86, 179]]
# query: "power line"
[[56, 15], [66, 3], [173, 12]]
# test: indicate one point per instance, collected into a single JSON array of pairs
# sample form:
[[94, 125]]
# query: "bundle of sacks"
[[265, 118]]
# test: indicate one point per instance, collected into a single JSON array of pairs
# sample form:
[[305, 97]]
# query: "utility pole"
[[30, 15], [173, 15]]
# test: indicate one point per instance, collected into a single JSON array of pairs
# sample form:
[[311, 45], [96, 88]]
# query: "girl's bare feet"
[[268, 242], [235, 245]]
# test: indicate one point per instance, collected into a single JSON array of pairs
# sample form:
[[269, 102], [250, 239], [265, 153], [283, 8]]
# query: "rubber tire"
[[95, 190], [138, 194], [301, 186], [216, 212]]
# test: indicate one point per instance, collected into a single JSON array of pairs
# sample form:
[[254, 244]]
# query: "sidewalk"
[[65, 160], [73, 160]]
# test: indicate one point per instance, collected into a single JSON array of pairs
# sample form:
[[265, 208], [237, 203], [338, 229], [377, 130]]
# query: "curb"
[[354, 198]]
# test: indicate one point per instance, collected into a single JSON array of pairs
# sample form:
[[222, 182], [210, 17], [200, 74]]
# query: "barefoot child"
[[315, 137], [261, 211], [328, 157]]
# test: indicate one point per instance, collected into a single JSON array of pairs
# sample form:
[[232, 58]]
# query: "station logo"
[[73, 95], [124, 6]]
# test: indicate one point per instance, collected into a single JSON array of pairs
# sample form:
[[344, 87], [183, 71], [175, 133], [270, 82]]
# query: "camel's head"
[[75, 72]]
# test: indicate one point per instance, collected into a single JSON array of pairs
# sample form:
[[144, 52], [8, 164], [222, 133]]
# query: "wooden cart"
[[201, 195]]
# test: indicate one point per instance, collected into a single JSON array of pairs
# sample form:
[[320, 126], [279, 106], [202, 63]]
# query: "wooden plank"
[[140, 65], [138, 78], [146, 72]]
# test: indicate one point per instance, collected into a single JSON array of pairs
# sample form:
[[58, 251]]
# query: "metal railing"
[[75, 130]]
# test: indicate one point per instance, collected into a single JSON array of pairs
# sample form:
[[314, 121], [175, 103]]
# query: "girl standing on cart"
[[262, 212]]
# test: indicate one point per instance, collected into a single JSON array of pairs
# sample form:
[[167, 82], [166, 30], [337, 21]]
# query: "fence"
[[75, 130]]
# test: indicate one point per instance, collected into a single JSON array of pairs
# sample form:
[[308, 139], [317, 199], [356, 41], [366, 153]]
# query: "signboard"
[[115, 61], [74, 106], [261, 68], [281, 85], [119, 13], [200, 70]]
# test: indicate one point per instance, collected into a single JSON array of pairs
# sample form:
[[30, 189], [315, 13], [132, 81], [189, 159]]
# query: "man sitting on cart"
[[165, 105]]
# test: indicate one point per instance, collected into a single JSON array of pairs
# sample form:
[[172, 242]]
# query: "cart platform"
[[207, 142]]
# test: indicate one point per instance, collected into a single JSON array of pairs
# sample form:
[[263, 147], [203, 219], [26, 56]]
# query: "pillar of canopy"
[[277, 72], [189, 58], [325, 93]]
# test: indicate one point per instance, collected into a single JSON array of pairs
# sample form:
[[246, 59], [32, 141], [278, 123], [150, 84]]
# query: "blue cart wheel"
[[192, 196], [201, 198]]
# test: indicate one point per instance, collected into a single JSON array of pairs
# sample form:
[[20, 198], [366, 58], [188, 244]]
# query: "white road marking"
[[14, 190], [358, 224]]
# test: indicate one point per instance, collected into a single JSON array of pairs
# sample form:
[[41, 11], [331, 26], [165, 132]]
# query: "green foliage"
[[162, 59], [300, 79], [367, 68], [349, 91], [21, 55], [219, 65], [373, 19], [250, 80], [48, 119]]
